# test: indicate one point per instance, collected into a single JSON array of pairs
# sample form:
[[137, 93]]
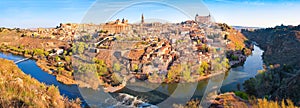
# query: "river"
[[162, 92]]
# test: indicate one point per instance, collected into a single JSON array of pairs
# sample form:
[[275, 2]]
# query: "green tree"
[[101, 67], [200, 70], [60, 70], [205, 66], [46, 53], [86, 67], [186, 73], [174, 72], [74, 48], [68, 59], [233, 57], [117, 67], [225, 63], [135, 67], [38, 52], [117, 79], [81, 47], [57, 58]]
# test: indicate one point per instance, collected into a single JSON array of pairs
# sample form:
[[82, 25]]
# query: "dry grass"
[[20, 90], [230, 100], [12, 38]]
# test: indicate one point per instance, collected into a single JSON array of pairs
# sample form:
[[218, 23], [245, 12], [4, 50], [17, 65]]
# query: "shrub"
[[241, 94]]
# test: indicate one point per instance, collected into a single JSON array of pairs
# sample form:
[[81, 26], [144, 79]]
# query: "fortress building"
[[117, 26], [203, 19]]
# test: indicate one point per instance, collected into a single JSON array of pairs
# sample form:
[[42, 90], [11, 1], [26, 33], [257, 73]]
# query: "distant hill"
[[244, 27]]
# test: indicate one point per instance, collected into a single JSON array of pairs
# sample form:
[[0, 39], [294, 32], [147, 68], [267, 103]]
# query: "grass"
[[229, 100]]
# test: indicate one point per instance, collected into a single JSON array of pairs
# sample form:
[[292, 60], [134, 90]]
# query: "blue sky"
[[49, 13]]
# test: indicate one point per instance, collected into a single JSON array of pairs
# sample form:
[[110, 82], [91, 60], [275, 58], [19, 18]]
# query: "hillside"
[[236, 40], [281, 56], [281, 44], [20, 90]]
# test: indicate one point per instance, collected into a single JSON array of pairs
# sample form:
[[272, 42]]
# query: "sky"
[[49, 13]]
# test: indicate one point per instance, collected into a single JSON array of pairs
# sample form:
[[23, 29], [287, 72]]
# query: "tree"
[[186, 73], [46, 53], [38, 52], [57, 58], [86, 67], [81, 47], [200, 70], [117, 79], [117, 67], [68, 59], [59, 70], [205, 66], [174, 72], [225, 63], [250, 86], [65, 53], [135, 67], [74, 48], [233, 57], [101, 67]]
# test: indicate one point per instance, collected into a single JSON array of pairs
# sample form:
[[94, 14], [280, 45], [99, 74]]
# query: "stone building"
[[203, 19], [117, 26]]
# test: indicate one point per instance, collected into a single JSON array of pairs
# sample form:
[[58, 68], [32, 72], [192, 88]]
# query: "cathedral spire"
[[142, 19]]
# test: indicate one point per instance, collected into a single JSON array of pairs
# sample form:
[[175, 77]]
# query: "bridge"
[[22, 60], [106, 38]]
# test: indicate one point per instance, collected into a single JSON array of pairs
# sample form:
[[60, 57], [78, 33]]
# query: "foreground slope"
[[20, 90]]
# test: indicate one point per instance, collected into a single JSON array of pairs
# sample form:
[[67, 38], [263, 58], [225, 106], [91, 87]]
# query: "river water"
[[162, 92]]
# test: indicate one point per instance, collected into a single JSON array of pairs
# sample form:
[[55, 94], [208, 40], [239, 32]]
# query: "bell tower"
[[142, 19]]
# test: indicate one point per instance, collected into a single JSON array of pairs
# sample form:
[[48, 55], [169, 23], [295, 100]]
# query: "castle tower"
[[142, 19], [123, 20]]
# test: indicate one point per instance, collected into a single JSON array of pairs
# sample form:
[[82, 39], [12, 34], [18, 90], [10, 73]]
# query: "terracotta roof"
[[135, 54]]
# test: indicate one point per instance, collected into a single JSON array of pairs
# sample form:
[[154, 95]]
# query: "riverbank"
[[61, 78], [41, 62]]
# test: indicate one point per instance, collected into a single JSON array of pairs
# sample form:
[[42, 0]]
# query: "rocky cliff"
[[281, 44], [282, 59]]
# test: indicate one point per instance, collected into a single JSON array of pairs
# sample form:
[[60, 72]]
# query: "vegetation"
[[233, 57], [264, 103], [241, 94], [281, 55], [229, 100], [135, 67], [117, 67], [174, 73], [186, 73], [78, 48], [20, 90], [203, 68], [264, 84], [101, 67]]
